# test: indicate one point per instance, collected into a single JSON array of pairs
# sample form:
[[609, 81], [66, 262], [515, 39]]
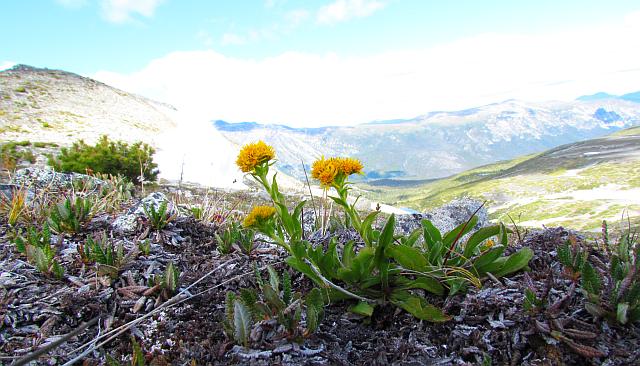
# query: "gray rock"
[[445, 218], [38, 178], [126, 223]]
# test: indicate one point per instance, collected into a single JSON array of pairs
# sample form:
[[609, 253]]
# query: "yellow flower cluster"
[[258, 215], [251, 155], [327, 170]]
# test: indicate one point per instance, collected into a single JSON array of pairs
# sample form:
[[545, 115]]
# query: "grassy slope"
[[541, 188]]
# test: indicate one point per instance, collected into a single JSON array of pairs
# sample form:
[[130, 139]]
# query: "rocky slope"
[[58, 106]]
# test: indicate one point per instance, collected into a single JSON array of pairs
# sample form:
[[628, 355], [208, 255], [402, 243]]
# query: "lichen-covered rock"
[[126, 223], [39, 178], [445, 218]]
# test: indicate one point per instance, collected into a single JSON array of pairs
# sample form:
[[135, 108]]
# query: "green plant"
[[110, 157], [70, 215], [109, 258], [20, 89], [158, 218], [275, 300], [137, 356], [388, 268], [234, 233], [37, 247], [144, 247], [613, 289]]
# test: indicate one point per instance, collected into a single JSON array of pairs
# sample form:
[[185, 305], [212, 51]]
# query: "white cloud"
[[6, 65], [303, 89], [343, 10], [121, 11]]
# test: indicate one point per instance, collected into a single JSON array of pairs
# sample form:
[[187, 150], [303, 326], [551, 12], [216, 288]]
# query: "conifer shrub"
[[108, 157]]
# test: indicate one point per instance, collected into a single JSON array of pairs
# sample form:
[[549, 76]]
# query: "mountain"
[[58, 106], [43, 105], [631, 97], [440, 144], [578, 184]]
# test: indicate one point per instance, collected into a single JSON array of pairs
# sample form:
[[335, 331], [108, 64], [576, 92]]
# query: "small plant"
[[108, 257], [573, 257], [166, 284], [110, 157], [613, 289], [70, 215], [37, 247], [160, 218], [144, 247], [235, 234], [14, 152], [137, 356], [14, 208], [272, 302]]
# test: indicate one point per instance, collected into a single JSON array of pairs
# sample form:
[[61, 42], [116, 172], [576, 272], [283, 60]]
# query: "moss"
[[20, 89]]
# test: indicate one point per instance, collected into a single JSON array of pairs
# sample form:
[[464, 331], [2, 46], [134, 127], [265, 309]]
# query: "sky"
[[332, 62]]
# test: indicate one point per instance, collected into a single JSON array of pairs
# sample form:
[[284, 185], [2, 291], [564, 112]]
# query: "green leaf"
[[273, 299], [426, 283], [408, 257], [478, 237], [273, 279], [488, 258], [591, 280], [459, 231], [431, 234], [621, 313], [286, 287], [515, 262], [57, 270], [40, 260], [362, 308], [302, 267], [386, 238], [348, 254], [418, 307], [411, 240], [242, 322]]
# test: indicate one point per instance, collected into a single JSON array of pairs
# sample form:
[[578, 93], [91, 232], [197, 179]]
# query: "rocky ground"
[[489, 324]]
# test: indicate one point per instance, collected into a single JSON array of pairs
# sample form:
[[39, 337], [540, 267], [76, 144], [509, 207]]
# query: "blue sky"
[[275, 46]]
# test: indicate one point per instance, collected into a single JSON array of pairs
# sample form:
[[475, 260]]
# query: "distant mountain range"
[[578, 184], [440, 144]]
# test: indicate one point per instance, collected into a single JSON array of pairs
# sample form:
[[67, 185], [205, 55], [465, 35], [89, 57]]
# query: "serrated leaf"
[[286, 287], [241, 322], [273, 278], [590, 279]]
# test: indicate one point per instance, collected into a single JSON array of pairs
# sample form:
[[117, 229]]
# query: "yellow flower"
[[488, 244], [252, 155], [258, 215], [325, 171], [350, 166]]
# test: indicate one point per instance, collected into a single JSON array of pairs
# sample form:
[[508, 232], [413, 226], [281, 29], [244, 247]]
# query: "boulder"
[[446, 217], [39, 178]]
